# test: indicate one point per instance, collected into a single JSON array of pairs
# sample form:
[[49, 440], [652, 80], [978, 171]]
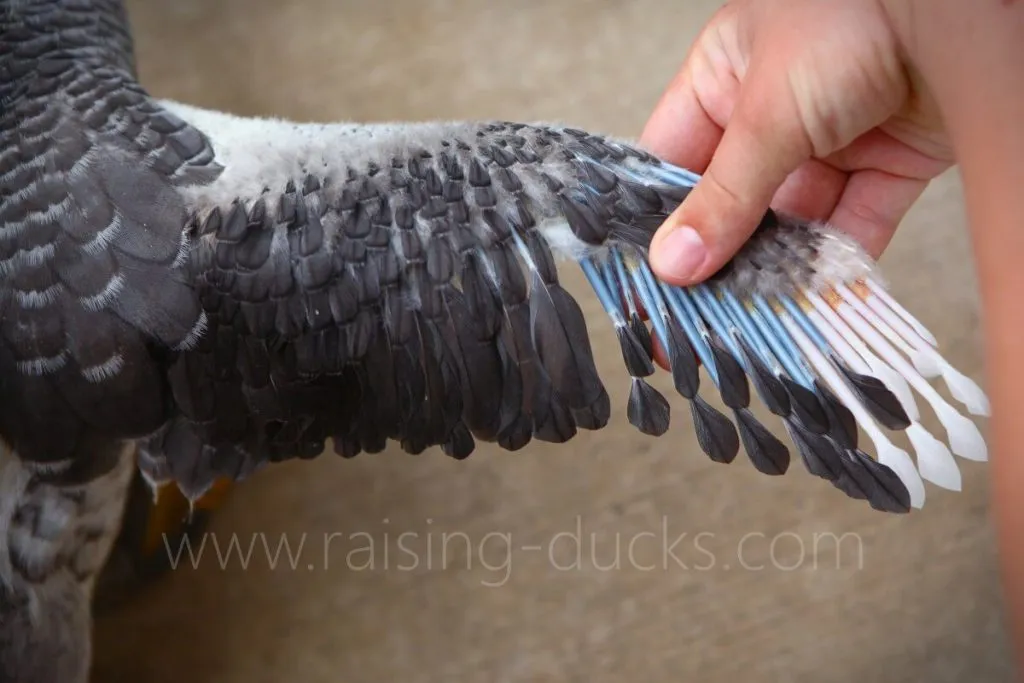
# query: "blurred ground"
[[764, 595]]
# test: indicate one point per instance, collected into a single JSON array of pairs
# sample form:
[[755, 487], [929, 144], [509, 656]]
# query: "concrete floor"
[[909, 598]]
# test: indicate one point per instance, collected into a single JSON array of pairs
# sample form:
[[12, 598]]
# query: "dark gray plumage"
[[647, 410]]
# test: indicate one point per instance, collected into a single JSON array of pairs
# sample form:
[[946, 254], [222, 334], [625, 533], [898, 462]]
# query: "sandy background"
[[908, 599]]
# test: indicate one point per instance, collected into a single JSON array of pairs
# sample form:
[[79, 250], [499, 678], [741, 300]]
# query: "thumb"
[[763, 143]]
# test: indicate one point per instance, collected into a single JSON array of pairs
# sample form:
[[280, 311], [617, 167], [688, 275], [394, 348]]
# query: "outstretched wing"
[[367, 283], [234, 292], [90, 234]]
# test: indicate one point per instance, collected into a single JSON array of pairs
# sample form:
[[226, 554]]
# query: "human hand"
[[805, 106]]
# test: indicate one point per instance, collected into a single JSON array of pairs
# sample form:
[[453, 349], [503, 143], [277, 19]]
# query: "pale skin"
[[844, 110]]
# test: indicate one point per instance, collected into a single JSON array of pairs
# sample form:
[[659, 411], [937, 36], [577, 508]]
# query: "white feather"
[[934, 460], [924, 365], [964, 438], [270, 152], [963, 389], [878, 368], [888, 453], [879, 291]]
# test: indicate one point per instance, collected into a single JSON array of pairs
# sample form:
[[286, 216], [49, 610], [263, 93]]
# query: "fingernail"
[[682, 252]]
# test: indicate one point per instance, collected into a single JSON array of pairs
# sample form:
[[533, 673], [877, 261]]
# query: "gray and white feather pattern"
[[199, 294]]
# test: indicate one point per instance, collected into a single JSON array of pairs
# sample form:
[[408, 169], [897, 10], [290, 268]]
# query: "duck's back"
[[88, 215]]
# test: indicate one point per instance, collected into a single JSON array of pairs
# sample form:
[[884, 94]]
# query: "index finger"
[[689, 120], [679, 129]]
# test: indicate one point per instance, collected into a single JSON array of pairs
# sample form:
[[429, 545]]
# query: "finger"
[[811, 192], [872, 206], [762, 144], [687, 123], [630, 302], [660, 355], [879, 149]]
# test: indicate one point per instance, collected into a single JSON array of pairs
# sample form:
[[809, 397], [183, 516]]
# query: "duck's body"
[[218, 293]]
